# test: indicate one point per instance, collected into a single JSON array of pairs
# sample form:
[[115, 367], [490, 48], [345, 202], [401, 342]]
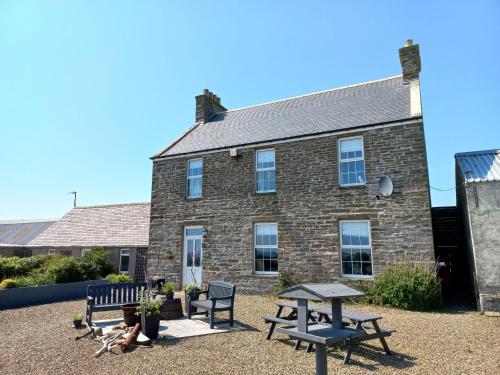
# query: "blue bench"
[[109, 297]]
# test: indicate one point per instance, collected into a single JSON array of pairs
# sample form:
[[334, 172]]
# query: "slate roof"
[[479, 166], [17, 233], [375, 102], [110, 225]]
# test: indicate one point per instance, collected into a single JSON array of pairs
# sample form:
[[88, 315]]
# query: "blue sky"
[[89, 90]]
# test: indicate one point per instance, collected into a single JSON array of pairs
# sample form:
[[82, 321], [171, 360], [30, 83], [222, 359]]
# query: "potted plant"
[[149, 311], [168, 289], [168, 254], [77, 320], [192, 293]]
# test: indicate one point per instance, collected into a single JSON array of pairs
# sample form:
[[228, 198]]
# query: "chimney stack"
[[207, 105], [409, 55]]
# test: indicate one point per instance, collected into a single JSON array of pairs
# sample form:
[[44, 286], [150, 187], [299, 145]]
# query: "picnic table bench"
[[318, 314], [109, 297]]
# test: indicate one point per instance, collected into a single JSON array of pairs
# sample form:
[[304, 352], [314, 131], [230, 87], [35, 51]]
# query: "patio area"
[[40, 340]]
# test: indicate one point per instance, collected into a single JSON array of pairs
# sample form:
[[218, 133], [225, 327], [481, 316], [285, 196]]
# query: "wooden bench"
[[109, 297]]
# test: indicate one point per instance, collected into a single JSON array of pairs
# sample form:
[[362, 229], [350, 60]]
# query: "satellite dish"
[[385, 186]]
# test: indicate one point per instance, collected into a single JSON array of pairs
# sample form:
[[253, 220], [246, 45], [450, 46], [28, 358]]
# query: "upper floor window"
[[266, 247], [265, 171], [352, 161], [355, 244], [195, 178]]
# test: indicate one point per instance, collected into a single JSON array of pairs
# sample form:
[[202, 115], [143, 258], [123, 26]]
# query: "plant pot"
[[169, 295], [129, 315], [77, 323], [151, 326], [192, 296]]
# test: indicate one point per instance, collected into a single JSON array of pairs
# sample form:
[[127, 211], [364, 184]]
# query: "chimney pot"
[[408, 42]]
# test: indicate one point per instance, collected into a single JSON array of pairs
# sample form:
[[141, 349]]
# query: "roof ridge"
[[481, 152], [314, 93], [27, 221], [115, 205]]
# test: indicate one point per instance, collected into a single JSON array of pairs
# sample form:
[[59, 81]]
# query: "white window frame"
[[369, 246], [257, 169], [188, 177], [120, 263], [362, 158], [51, 251], [83, 251], [255, 246]]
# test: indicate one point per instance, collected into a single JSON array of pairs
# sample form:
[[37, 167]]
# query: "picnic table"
[[329, 327]]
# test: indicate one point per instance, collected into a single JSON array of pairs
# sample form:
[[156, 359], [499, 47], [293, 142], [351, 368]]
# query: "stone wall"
[[307, 206]]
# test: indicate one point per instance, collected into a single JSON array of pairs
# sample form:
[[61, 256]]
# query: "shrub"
[[114, 278], [66, 270], [151, 307], [8, 283], [96, 262], [286, 280], [15, 266], [34, 280], [407, 286]]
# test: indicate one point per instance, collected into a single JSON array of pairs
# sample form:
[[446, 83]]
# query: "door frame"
[[184, 251]]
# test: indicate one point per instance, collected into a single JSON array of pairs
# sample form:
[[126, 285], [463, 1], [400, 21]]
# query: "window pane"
[[356, 255], [367, 269], [259, 265], [124, 263], [194, 231], [366, 255], [356, 268], [274, 265], [346, 255], [354, 228], [347, 268]]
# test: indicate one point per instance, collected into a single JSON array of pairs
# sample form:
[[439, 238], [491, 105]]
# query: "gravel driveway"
[[39, 340]]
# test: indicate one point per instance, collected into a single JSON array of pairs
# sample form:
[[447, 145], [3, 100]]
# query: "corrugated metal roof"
[[375, 102], [110, 225], [479, 166], [21, 232]]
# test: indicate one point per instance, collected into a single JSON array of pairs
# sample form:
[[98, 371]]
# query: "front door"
[[193, 245]]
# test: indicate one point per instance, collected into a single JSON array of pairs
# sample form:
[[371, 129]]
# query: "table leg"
[[381, 337], [350, 347], [321, 361], [273, 324], [337, 313]]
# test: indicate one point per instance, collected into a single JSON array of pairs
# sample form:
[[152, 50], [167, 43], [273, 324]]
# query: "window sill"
[[265, 192], [357, 277], [194, 199], [352, 186], [265, 274]]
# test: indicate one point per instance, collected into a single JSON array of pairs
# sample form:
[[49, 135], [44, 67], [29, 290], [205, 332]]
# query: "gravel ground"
[[40, 340]]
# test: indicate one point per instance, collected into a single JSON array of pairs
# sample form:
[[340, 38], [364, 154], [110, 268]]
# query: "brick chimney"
[[409, 55], [207, 105]]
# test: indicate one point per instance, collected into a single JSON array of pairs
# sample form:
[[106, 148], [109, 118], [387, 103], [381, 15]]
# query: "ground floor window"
[[124, 260], [355, 244], [51, 251], [266, 248], [84, 251]]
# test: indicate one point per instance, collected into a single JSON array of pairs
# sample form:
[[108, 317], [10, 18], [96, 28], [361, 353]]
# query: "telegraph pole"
[[74, 198]]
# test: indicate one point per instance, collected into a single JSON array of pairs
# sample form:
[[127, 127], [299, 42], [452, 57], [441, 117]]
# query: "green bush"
[[96, 262], [286, 280], [66, 270], [34, 280], [8, 283], [114, 278], [406, 286], [15, 266]]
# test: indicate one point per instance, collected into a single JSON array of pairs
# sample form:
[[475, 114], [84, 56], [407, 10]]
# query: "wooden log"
[[131, 337]]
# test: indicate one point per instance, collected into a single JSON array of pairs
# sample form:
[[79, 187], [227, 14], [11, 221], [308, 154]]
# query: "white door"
[[193, 247]]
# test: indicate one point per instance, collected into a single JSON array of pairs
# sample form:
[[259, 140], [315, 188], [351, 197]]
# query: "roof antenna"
[[74, 198]]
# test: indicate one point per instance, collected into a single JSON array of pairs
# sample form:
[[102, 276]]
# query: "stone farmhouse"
[[293, 185]]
